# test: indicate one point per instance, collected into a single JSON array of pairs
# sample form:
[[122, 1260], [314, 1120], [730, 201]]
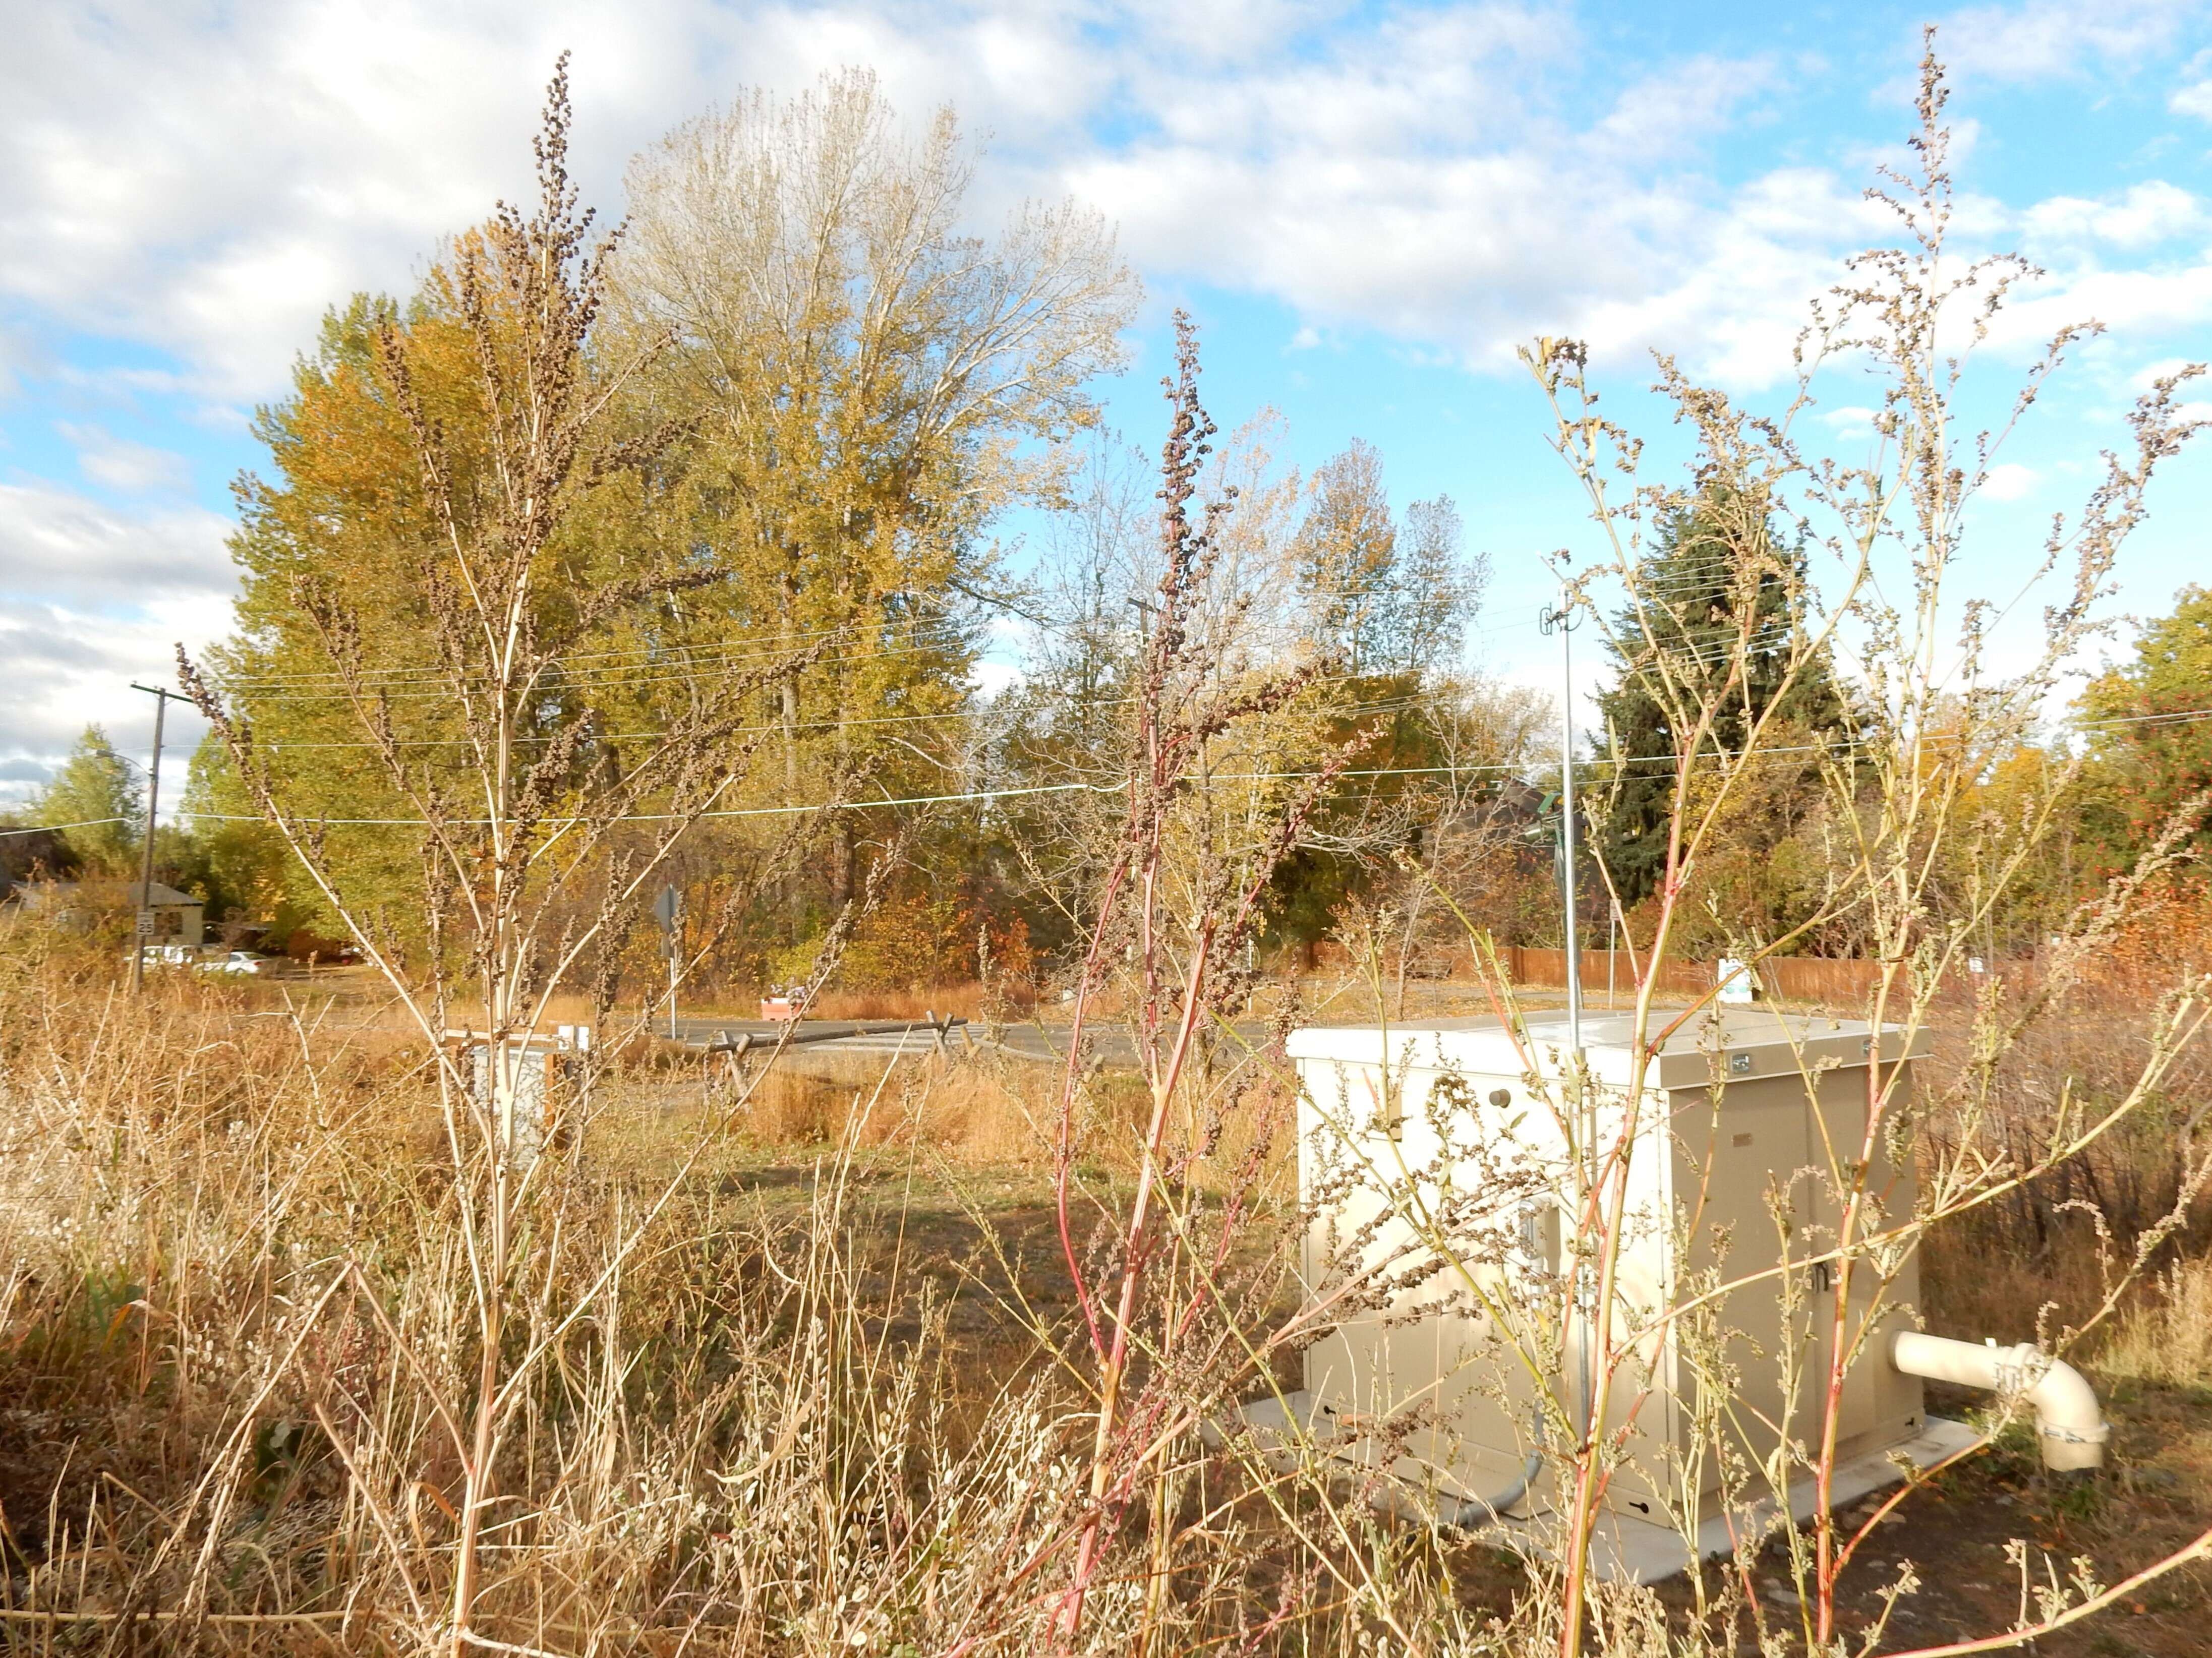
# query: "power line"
[[2182, 716], [402, 675], [282, 746], [1066, 788], [990, 794], [688, 816], [56, 829], [404, 691]]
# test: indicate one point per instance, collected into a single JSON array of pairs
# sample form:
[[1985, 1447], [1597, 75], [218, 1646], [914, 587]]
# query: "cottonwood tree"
[[1390, 601], [871, 383], [2146, 721], [98, 797]]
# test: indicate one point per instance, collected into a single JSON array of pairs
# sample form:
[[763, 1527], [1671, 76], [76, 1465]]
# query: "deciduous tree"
[[99, 795]]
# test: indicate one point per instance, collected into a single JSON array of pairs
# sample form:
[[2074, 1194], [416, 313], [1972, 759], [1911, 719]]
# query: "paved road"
[[1042, 1043]]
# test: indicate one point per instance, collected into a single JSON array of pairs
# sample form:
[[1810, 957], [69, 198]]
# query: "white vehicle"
[[238, 960]]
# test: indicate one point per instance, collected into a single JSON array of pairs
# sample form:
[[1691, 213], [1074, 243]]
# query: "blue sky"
[[1366, 207]]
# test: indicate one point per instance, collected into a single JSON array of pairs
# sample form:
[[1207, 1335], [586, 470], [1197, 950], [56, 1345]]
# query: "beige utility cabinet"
[[1742, 1107]]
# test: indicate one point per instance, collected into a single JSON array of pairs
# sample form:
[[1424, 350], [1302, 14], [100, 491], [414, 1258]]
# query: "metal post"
[[1561, 620], [666, 908], [1612, 951], [141, 924]]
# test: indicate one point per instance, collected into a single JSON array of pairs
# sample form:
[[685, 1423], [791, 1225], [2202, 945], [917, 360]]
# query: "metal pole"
[[1612, 951], [1562, 620], [666, 908], [140, 924]]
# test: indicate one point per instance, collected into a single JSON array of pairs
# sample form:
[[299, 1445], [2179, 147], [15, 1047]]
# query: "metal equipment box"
[[1747, 1116]]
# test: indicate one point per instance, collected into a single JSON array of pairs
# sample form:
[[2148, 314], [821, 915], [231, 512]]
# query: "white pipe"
[[2069, 1429]]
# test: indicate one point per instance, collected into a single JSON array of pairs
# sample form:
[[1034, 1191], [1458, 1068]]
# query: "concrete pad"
[[1624, 1549]]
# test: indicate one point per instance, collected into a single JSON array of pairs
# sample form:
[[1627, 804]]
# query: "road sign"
[[664, 910], [145, 923]]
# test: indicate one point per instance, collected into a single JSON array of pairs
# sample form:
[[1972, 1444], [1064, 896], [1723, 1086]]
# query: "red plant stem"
[[1134, 1258], [1064, 1159], [1828, 1566]]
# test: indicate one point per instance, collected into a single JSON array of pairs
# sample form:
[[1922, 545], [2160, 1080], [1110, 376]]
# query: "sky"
[[1366, 208]]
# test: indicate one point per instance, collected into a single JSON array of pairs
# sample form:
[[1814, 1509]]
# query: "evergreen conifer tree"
[[1689, 616]]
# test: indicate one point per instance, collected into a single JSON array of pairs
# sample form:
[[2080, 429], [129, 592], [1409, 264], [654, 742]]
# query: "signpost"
[[666, 908]]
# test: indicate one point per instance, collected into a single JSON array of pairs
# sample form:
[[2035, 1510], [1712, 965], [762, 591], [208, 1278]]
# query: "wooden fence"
[[1786, 978]]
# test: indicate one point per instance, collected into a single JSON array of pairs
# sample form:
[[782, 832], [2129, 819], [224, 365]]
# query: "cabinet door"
[[1876, 1404], [1740, 1191]]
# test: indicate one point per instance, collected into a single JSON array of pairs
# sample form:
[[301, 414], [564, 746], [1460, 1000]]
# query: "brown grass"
[[956, 1108], [819, 1412]]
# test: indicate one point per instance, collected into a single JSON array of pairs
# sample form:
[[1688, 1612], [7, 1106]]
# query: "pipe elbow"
[[2071, 1430], [2069, 1426]]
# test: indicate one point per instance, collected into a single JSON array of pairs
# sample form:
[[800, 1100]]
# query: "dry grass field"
[[821, 1406]]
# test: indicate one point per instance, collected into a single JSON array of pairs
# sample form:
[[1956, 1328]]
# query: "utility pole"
[[1145, 610], [143, 925]]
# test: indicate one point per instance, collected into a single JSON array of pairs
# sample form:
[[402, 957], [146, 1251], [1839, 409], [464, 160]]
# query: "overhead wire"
[[56, 829], [2165, 717], [284, 745], [784, 641], [1026, 790]]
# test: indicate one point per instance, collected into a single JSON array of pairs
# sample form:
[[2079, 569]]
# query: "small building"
[[179, 918]]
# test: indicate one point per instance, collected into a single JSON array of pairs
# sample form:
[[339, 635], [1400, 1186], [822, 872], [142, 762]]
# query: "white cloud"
[[208, 187], [2194, 99], [90, 599], [59, 547], [990, 679], [207, 181], [2009, 481], [2145, 378], [2148, 303], [70, 668], [2052, 39], [2142, 217], [119, 464], [1411, 184]]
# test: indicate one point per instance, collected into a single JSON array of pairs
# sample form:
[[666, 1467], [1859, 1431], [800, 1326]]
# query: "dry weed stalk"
[[1178, 963], [1931, 715], [531, 866]]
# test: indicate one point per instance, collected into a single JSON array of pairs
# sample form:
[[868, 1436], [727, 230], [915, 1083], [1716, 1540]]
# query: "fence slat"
[[1791, 978]]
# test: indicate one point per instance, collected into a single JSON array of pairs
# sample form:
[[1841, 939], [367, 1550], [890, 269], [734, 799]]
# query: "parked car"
[[238, 960]]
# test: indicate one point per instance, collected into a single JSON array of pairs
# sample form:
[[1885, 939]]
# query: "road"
[[1045, 1043]]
